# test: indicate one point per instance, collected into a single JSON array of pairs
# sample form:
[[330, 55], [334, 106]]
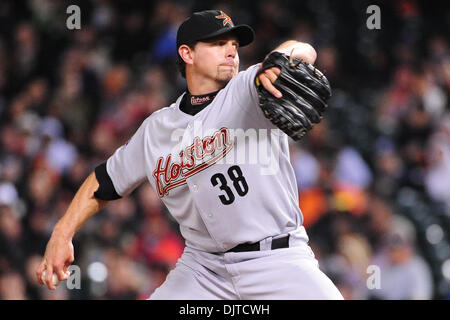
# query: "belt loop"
[[265, 244], [291, 240]]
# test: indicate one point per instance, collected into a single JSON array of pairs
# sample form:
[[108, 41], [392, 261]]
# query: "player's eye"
[[222, 43]]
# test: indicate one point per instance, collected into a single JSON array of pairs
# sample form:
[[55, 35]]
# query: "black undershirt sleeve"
[[105, 189]]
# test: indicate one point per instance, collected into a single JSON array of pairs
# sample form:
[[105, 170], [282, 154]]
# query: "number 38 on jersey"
[[238, 181]]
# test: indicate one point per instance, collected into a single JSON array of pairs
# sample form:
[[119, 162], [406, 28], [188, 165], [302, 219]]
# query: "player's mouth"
[[228, 68], [228, 64]]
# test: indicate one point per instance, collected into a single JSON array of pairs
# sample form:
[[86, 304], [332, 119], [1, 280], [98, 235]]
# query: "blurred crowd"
[[373, 176]]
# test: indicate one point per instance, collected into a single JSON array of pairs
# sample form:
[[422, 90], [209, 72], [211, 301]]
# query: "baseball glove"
[[305, 95]]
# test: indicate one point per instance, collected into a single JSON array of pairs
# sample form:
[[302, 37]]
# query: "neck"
[[198, 85]]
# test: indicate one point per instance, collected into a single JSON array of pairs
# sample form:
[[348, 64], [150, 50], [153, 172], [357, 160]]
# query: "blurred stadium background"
[[373, 177]]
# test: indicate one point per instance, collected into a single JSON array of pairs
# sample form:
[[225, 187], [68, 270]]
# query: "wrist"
[[62, 231]]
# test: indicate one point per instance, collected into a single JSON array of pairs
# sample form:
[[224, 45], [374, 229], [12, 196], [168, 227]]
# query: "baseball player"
[[241, 224]]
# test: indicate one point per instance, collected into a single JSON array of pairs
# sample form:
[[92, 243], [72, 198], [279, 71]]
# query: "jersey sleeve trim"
[[106, 190]]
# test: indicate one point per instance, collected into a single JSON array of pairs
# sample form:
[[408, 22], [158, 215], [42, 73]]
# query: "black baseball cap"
[[211, 23]]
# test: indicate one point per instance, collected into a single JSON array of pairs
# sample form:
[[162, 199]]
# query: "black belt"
[[276, 244]]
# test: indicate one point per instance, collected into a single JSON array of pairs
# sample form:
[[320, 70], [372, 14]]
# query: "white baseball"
[[55, 279]]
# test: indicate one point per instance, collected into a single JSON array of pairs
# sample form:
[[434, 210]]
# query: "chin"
[[226, 77]]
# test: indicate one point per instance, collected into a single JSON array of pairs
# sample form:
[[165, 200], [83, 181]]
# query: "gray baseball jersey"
[[223, 173], [225, 176]]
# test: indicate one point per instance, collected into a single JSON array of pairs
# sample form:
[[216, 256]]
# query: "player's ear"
[[185, 53]]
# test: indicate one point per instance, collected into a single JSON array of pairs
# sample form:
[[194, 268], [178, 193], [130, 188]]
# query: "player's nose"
[[231, 49]]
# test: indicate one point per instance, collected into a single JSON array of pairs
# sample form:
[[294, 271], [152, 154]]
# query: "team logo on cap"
[[226, 19]]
